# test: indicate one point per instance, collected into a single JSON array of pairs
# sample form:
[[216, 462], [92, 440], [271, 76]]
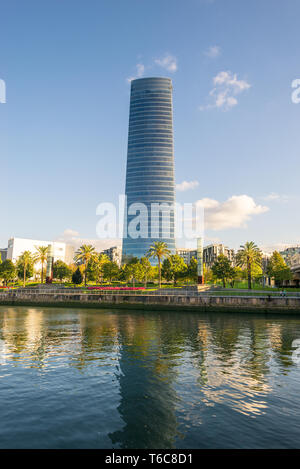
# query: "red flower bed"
[[116, 288]]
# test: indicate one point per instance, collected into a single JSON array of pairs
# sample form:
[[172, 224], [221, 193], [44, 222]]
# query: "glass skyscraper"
[[150, 167]]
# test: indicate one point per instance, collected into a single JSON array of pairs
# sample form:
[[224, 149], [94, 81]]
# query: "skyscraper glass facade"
[[150, 166]]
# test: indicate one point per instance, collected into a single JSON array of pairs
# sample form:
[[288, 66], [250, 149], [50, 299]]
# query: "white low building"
[[16, 247]]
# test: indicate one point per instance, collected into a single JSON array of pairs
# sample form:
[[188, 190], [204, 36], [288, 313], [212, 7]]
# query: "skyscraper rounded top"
[[151, 82], [151, 78]]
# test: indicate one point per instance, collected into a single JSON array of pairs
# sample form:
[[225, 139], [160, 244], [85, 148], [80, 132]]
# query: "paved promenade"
[[160, 300]]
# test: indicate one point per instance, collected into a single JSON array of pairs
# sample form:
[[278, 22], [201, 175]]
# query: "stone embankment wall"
[[154, 302]]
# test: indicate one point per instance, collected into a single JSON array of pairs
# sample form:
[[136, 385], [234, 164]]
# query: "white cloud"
[[212, 240], [235, 212], [269, 248], [226, 88], [272, 196], [213, 51], [229, 79], [278, 197], [68, 233], [185, 185], [168, 62], [72, 237], [140, 70], [207, 203]]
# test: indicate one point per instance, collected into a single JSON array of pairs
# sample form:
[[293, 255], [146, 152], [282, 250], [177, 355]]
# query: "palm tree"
[[160, 250], [249, 255], [41, 256], [85, 253], [26, 260]]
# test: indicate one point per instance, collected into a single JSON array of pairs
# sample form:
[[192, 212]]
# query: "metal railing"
[[155, 293], [68, 292]]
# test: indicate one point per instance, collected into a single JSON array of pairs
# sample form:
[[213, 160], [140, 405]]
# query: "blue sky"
[[63, 128]]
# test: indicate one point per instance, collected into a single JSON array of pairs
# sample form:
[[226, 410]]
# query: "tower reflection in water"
[[146, 376]]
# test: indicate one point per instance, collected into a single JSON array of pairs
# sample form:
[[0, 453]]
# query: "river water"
[[78, 378]]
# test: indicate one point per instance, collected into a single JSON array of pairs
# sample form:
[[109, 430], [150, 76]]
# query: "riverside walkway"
[[169, 299]]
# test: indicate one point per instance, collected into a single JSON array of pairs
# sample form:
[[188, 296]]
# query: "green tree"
[[249, 256], [234, 275], [237, 275], [61, 270], [137, 273], [174, 268], [257, 274], [283, 275], [208, 275], [91, 270], [25, 264], [110, 270], [101, 261], [77, 277], [95, 267], [126, 273], [41, 257], [147, 270], [278, 269], [84, 254], [159, 250], [191, 272], [132, 270], [7, 271], [222, 269]]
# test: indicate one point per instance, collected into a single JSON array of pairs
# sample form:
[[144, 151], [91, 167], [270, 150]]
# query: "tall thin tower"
[[150, 164]]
